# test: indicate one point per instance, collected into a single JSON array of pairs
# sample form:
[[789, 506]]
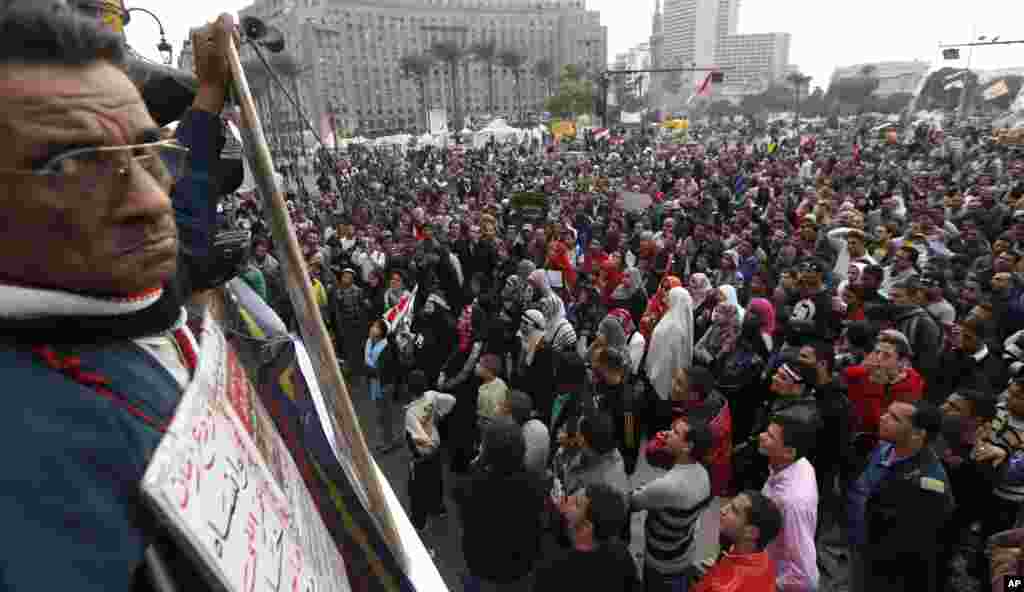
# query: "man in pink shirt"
[[793, 487]]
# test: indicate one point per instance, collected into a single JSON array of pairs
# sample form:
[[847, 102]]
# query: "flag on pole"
[[399, 317], [703, 89]]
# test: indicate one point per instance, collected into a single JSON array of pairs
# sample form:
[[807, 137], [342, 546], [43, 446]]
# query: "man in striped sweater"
[[674, 503], [999, 452]]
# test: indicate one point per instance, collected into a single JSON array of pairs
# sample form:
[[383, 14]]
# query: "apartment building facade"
[[350, 53]]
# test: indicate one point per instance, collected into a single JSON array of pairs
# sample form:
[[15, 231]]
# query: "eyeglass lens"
[[165, 163]]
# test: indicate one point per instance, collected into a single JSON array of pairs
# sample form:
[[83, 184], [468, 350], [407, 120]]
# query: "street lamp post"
[[165, 49]]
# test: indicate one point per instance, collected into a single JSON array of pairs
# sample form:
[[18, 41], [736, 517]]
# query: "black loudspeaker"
[[168, 92]]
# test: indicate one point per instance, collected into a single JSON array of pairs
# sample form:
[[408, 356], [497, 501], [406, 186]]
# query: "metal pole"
[[962, 113], [604, 100], [796, 92], [311, 323]]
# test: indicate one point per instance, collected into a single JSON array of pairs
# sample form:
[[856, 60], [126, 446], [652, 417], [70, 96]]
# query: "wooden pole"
[[311, 323]]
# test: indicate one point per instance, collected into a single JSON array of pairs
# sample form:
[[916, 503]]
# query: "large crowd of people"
[[834, 321], [816, 335]]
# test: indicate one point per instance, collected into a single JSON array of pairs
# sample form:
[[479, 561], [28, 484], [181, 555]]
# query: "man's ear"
[[752, 533]]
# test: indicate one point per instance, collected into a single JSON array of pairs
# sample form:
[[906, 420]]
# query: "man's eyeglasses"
[[166, 161]]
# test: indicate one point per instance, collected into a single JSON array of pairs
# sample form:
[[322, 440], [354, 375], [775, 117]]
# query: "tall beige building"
[[754, 62], [349, 54], [704, 32]]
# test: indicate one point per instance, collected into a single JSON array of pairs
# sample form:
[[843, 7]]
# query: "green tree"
[[487, 52], [575, 94], [814, 106], [418, 67], [513, 61], [450, 54]]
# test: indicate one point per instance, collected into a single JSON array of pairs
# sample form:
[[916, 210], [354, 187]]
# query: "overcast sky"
[[826, 33]]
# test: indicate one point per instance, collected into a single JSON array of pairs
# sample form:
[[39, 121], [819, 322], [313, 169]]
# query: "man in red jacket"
[[750, 521], [885, 377]]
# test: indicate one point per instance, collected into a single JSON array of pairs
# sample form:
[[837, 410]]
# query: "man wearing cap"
[[791, 395], [812, 316]]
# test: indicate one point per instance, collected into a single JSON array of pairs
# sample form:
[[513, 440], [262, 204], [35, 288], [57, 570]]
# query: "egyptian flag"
[[399, 317]]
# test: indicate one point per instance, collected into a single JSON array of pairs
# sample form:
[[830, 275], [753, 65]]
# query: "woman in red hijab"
[[609, 278], [593, 258], [559, 259], [656, 305]]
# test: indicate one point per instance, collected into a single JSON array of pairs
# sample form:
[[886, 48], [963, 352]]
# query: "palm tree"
[[544, 70], [418, 67], [798, 80], [487, 52], [450, 53], [514, 61]]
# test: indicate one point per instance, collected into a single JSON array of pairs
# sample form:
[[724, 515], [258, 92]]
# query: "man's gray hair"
[[45, 32]]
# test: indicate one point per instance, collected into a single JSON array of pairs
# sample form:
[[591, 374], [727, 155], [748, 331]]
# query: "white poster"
[[225, 481], [632, 117]]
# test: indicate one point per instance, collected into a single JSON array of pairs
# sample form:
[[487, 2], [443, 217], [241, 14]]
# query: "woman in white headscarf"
[[728, 294], [548, 303], [671, 343], [423, 437]]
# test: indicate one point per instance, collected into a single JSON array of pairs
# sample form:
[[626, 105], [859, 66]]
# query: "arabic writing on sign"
[[214, 485]]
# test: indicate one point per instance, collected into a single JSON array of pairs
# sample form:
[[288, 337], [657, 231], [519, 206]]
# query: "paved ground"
[[443, 535]]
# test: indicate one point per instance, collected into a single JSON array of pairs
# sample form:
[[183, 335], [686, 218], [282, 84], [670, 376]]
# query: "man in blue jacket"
[[95, 254], [899, 506]]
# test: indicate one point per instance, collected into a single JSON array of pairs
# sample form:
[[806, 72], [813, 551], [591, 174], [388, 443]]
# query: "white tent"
[[428, 140], [498, 129], [396, 140]]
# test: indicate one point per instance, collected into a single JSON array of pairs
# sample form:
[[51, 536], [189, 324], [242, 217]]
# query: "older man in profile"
[[94, 352]]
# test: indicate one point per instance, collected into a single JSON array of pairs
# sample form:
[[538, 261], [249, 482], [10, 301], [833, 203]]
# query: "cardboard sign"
[[227, 485]]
